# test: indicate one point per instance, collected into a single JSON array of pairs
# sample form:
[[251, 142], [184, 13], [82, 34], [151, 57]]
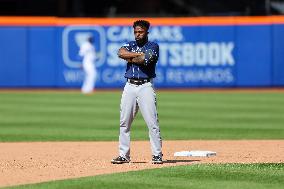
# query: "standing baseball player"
[[141, 56], [87, 51]]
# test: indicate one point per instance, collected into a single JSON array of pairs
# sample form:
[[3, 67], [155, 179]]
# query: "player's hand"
[[139, 59], [140, 53], [128, 60]]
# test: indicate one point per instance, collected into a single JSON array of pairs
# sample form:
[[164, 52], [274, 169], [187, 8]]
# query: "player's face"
[[140, 34]]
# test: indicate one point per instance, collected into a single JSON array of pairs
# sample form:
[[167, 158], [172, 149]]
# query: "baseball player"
[[141, 56], [87, 51]]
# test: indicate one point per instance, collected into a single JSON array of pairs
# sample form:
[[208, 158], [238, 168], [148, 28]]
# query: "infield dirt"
[[25, 163]]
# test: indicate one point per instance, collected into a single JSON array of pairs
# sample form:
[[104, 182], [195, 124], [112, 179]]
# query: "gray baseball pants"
[[135, 97]]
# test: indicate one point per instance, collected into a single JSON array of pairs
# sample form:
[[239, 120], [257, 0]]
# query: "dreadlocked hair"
[[142, 23]]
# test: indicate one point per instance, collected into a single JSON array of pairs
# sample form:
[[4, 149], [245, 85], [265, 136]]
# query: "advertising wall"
[[229, 52]]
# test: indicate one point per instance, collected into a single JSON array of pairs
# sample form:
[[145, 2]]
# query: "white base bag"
[[195, 153]]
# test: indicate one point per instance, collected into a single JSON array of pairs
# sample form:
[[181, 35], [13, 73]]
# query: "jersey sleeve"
[[152, 54], [127, 46]]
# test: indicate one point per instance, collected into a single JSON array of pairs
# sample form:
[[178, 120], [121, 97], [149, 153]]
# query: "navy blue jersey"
[[146, 70]]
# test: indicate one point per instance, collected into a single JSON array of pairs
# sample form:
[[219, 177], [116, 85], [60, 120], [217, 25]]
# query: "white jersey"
[[87, 51]]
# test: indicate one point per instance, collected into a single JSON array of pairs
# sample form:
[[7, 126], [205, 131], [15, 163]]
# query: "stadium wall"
[[194, 52]]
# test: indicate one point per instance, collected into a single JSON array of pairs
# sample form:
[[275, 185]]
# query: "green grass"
[[70, 116], [227, 176]]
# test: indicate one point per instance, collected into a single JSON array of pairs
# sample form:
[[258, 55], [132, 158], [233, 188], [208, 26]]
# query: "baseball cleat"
[[120, 160], [157, 160]]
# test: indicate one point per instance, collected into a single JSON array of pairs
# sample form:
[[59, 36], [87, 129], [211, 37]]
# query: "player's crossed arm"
[[150, 55], [131, 57]]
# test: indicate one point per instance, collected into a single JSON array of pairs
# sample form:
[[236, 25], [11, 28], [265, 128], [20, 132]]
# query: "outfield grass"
[[70, 116], [227, 176]]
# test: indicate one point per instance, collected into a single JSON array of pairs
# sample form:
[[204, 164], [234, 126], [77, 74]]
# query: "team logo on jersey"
[[74, 36]]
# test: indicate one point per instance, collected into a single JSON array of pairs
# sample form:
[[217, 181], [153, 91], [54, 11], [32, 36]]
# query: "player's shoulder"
[[153, 44], [84, 46], [130, 43]]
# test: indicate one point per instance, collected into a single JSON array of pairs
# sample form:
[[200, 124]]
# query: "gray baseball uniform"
[[139, 93]]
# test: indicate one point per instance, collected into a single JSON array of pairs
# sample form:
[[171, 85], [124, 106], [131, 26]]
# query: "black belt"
[[138, 81]]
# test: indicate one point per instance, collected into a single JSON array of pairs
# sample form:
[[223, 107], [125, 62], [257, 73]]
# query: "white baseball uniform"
[[87, 51]]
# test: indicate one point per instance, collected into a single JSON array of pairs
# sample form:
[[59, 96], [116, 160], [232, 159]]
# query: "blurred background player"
[[88, 52]]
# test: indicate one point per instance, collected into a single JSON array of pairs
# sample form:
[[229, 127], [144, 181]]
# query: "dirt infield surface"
[[22, 163]]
